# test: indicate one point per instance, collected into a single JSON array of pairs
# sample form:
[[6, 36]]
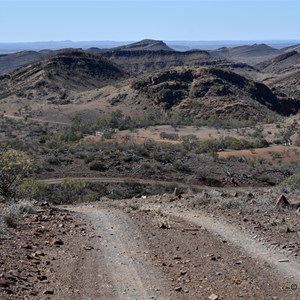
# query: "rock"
[[213, 297], [57, 242], [26, 246], [48, 292], [33, 293], [42, 278], [4, 283], [87, 247], [178, 289], [284, 260], [282, 202]]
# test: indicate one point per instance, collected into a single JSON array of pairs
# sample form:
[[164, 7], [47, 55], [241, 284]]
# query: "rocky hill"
[[138, 62], [208, 92], [283, 73], [291, 48], [249, 54], [286, 62], [288, 83], [13, 61], [55, 78], [192, 92], [145, 45]]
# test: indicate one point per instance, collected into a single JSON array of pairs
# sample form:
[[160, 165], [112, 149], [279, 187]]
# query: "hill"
[[16, 60], [55, 78], [291, 48], [208, 92], [144, 45], [138, 62], [249, 54], [191, 92], [286, 62], [283, 73]]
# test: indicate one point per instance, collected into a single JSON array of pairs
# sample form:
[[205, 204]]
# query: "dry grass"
[[10, 215]]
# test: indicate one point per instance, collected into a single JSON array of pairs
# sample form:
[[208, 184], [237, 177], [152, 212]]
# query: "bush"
[[14, 167], [72, 189], [236, 144], [297, 143], [11, 214], [290, 184], [169, 136], [33, 189], [97, 165]]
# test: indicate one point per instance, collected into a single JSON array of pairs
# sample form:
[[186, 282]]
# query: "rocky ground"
[[217, 244]]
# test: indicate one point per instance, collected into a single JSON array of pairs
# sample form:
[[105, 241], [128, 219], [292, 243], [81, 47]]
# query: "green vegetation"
[[290, 184], [169, 136], [33, 189], [72, 189], [14, 167], [108, 123]]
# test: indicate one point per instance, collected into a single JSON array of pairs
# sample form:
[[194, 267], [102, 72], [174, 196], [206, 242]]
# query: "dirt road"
[[115, 263], [35, 120], [277, 261], [125, 255]]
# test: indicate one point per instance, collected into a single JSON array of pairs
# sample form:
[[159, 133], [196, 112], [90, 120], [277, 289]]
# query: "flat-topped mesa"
[[145, 45]]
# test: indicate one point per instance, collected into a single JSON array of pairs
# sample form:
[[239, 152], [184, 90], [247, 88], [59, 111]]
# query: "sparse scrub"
[[11, 214], [97, 166], [14, 167], [275, 155], [161, 219], [232, 204], [33, 189], [72, 189], [290, 184], [169, 136]]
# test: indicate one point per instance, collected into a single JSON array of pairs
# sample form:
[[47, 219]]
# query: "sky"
[[123, 20]]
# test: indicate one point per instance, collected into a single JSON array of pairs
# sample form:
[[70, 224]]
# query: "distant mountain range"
[[6, 48], [243, 82]]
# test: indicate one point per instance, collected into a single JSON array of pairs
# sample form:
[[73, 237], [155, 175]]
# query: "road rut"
[[117, 266]]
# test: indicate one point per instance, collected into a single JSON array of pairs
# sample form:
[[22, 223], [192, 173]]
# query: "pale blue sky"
[[123, 20]]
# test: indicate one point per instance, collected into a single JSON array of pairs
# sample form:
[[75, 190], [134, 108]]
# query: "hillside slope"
[[10, 62], [55, 78], [249, 54], [192, 92]]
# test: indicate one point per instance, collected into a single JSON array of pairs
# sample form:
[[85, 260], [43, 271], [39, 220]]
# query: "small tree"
[[14, 167]]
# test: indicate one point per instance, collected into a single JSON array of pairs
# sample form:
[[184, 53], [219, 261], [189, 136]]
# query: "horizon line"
[[164, 40]]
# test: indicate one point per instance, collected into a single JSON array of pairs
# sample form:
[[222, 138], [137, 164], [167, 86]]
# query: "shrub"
[[290, 184], [72, 189], [169, 136], [97, 165], [297, 143], [11, 214], [14, 167], [33, 189]]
